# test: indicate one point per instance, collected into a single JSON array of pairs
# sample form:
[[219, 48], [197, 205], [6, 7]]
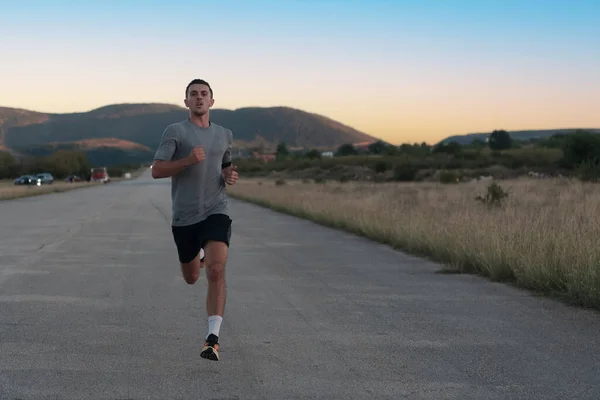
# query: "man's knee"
[[215, 271], [191, 271], [191, 278]]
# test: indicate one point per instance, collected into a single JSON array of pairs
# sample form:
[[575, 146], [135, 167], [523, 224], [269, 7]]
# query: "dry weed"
[[544, 237], [10, 191]]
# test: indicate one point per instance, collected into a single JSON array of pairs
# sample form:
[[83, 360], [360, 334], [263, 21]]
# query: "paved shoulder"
[[92, 305]]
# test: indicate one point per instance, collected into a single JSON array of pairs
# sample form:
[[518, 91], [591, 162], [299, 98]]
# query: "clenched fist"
[[197, 155], [230, 175]]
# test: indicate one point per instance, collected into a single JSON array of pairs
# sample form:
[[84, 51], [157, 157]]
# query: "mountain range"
[[131, 132], [516, 135]]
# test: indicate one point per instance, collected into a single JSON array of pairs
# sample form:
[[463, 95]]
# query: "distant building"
[[327, 154], [266, 157], [240, 153], [364, 144]]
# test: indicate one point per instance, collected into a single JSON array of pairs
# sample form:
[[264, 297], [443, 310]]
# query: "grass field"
[[8, 191], [543, 237]]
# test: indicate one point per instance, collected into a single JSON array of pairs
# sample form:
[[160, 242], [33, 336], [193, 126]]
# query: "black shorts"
[[191, 238]]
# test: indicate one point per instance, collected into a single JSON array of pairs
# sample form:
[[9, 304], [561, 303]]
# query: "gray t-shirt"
[[199, 190]]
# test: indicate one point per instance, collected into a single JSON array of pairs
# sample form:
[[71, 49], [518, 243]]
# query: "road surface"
[[93, 306]]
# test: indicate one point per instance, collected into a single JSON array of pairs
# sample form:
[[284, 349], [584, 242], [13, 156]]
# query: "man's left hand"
[[230, 175]]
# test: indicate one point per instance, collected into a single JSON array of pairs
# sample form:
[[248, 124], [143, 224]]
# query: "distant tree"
[[581, 147], [377, 147], [313, 154], [8, 165], [405, 148], [499, 140], [391, 151], [381, 148], [282, 151], [478, 144], [555, 141], [346, 150], [448, 148], [59, 164], [415, 149]]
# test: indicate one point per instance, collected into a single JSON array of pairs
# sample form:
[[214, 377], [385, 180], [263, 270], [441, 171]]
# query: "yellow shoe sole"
[[210, 353]]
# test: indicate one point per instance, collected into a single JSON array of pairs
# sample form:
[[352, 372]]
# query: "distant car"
[[45, 178], [73, 178], [26, 180], [100, 174]]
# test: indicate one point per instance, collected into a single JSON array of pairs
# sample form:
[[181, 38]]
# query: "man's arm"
[[226, 162], [166, 169], [228, 172], [164, 166]]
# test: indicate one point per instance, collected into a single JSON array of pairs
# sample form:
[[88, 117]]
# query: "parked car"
[[26, 180], [45, 178], [73, 178], [100, 174]]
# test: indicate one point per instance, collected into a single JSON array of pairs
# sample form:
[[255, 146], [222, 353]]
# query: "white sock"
[[214, 325]]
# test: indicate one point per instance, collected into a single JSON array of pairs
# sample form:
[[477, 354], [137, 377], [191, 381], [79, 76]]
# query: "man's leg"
[[191, 270], [216, 258], [216, 250], [188, 250]]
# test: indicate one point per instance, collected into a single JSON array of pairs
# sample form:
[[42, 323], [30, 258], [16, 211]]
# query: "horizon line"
[[448, 136]]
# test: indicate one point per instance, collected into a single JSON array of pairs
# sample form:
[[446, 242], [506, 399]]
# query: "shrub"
[[499, 140], [449, 177], [381, 166], [405, 172], [588, 171], [494, 197], [581, 147]]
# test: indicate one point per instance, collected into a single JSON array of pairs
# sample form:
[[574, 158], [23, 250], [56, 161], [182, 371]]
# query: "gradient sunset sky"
[[405, 71]]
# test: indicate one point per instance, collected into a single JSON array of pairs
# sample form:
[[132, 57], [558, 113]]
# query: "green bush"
[[449, 177], [588, 171], [494, 196], [382, 166], [581, 147], [405, 173], [411, 162]]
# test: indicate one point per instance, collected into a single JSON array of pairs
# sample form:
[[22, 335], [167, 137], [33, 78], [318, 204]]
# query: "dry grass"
[[8, 191], [545, 237]]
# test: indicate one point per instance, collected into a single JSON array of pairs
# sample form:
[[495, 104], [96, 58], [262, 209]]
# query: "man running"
[[196, 154]]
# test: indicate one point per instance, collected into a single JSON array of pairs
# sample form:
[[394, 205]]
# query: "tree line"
[[576, 153], [579, 152], [60, 164]]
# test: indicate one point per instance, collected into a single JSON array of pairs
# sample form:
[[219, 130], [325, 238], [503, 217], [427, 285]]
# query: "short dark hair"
[[198, 82]]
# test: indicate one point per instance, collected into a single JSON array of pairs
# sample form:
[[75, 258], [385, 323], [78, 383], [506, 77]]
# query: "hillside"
[[143, 124], [517, 135]]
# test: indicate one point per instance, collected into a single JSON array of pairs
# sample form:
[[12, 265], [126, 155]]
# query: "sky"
[[403, 71]]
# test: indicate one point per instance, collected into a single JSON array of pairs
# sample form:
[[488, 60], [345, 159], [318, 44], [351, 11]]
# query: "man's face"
[[199, 99]]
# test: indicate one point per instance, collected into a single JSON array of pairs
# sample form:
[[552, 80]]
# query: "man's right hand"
[[197, 155]]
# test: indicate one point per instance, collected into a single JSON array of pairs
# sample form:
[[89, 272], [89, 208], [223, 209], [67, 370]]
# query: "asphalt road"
[[93, 306]]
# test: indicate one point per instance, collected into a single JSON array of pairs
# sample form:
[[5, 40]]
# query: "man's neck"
[[201, 121]]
